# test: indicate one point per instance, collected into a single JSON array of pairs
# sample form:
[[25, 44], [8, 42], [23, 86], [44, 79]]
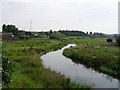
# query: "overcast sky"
[[83, 15]]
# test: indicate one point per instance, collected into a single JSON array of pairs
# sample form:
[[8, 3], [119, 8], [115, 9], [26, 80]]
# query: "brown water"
[[77, 72]]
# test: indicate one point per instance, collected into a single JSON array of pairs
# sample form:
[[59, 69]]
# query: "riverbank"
[[77, 72], [92, 53], [28, 71]]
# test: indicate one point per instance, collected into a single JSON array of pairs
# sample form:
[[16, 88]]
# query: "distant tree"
[[115, 35], [4, 28], [72, 33], [54, 36], [10, 29], [118, 40], [28, 33], [96, 34], [87, 32], [51, 31], [90, 32], [109, 40], [46, 33]]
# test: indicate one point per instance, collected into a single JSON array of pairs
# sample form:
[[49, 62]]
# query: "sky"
[[43, 15]]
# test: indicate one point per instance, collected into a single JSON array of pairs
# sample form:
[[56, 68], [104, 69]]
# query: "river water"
[[77, 72]]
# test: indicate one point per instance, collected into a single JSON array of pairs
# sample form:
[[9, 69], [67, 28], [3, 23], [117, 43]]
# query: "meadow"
[[28, 71], [95, 53]]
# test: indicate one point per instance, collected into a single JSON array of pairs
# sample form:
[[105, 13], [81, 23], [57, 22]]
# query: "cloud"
[[93, 15], [0, 15]]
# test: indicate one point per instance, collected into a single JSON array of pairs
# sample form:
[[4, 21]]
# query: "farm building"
[[8, 36], [21, 33]]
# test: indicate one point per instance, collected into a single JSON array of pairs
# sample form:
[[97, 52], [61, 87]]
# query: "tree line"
[[73, 33], [10, 29]]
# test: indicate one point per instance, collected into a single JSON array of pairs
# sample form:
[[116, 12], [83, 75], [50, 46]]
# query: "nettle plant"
[[6, 69]]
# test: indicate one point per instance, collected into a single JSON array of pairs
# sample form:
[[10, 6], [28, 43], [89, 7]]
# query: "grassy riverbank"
[[28, 71], [94, 53]]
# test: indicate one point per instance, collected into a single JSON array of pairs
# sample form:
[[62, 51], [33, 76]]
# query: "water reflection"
[[77, 72], [107, 77]]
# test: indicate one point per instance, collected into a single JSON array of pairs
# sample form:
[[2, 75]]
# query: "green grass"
[[93, 53], [85, 40], [28, 71]]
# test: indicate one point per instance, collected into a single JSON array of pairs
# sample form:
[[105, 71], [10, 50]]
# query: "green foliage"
[[85, 40], [53, 36], [4, 28], [28, 71], [6, 69], [28, 33], [10, 29], [93, 53], [96, 34], [95, 57], [109, 40], [118, 40], [56, 35], [24, 37], [90, 32], [73, 33], [51, 32]]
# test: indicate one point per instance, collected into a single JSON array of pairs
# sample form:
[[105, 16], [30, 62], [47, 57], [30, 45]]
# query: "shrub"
[[55, 36], [118, 40], [6, 70], [109, 40], [24, 37]]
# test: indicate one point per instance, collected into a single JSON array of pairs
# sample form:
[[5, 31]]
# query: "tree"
[[90, 32], [87, 32], [118, 40], [109, 40], [10, 29], [28, 33], [115, 35], [55, 36], [46, 33], [72, 33], [51, 32], [4, 28]]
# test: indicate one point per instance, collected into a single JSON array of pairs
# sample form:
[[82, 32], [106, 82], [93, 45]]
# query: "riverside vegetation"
[[28, 71], [27, 68], [94, 53]]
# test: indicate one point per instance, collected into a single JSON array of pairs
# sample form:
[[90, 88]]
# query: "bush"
[[6, 70], [55, 36], [118, 40], [109, 40], [24, 37]]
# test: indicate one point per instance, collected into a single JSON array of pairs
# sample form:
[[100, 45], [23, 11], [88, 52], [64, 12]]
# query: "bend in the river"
[[77, 72]]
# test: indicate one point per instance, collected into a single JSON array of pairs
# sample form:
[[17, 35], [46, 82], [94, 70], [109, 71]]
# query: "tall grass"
[[28, 71], [94, 54]]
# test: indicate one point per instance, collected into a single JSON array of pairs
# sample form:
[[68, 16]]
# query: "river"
[[77, 72]]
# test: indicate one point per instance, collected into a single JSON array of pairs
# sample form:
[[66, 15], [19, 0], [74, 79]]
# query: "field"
[[28, 71], [95, 53]]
